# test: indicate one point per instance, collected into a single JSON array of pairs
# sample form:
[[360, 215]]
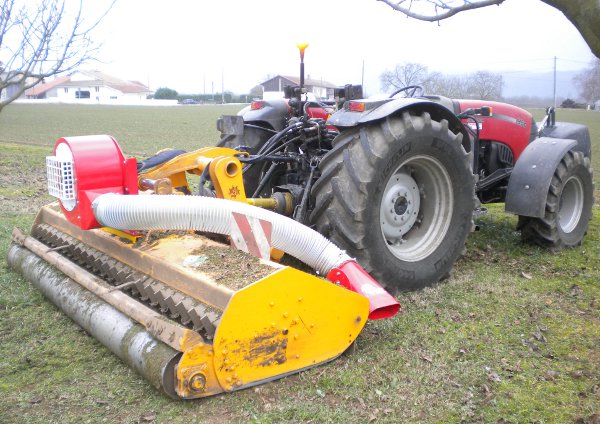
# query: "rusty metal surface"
[[161, 298], [130, 341], [193, 284], [169, 332]]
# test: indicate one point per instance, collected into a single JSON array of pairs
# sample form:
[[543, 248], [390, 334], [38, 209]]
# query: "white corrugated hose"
[[215, 216]]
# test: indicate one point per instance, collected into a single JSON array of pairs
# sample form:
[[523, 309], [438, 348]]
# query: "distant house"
[[319, 88], [90, 87], [46, 90]]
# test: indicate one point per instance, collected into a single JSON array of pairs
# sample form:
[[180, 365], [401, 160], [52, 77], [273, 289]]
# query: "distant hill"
[[531, 84]]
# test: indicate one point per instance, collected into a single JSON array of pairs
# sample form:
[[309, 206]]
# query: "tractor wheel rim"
[[571, 204], [416, 208]]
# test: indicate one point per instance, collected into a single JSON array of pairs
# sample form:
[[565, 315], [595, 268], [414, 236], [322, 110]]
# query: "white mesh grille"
[[61, 178]]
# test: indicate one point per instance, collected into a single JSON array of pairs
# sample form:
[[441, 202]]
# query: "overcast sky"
[[193, 46]]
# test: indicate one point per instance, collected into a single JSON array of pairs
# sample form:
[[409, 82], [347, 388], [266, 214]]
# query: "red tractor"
[[393, 184], [397, 181]]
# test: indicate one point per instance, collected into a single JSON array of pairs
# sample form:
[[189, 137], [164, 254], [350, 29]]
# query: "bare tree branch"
[[484, 85], [42, 39], [404, 75], [438, 9], [583, 14]]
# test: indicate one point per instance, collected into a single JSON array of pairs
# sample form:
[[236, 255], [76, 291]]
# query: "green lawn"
[[139, 130], [513, 336]]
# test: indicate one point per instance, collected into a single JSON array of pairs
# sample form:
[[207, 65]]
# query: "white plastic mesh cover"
[[61, 178]]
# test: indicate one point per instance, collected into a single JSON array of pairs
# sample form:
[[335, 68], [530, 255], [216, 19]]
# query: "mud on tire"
[[568, 206], [398, 195]]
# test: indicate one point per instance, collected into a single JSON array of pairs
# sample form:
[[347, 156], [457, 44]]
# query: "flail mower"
[[174, 262]]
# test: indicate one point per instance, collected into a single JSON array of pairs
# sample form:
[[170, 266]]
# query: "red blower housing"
[[85, 167]]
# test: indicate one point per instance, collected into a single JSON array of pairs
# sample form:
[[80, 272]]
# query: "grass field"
[[513, 336]]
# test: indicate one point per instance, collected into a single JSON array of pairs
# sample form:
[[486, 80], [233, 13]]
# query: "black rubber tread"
[[160, 297], [254, 138], [354, 174], [546, 231]]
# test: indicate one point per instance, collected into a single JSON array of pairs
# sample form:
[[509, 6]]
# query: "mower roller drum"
[[398, 195]]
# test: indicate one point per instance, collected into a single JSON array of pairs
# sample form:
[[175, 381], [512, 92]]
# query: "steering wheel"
[[409, 90]]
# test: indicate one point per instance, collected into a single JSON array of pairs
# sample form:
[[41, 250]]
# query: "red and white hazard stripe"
[[251, 235]]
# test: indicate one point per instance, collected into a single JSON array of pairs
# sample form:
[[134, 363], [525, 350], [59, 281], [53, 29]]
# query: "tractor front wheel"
[[398, 195], [568, 206]]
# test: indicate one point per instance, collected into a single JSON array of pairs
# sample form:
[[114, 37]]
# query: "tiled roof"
[[95, 78], [42, 88], [118, 84]]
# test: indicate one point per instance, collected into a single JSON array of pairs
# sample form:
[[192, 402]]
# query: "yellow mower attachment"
[[225, 171], [223, 166], [192, 315], [191, 332]]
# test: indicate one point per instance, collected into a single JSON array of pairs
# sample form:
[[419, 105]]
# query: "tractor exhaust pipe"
[[301, 48]]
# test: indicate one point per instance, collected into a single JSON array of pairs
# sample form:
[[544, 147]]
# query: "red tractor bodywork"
[[508, 124]]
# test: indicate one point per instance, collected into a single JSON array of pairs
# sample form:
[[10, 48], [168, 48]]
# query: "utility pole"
[[555, 81], [223, 85], [362, 79]]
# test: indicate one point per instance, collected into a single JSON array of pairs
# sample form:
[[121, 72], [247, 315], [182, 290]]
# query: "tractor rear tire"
[[398, 195], [568, 206], [253, 138]]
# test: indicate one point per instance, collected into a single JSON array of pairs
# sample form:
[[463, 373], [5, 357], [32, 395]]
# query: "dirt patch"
[[233, 268], [23, 187], [225, 265]]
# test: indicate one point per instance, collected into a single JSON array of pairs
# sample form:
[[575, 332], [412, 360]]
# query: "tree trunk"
[[585, 15]]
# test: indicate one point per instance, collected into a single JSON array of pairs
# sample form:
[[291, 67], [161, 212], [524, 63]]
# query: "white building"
[[274, 87], [90, 87]]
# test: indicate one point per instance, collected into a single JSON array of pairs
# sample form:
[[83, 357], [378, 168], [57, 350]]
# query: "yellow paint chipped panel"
[[279, 334]]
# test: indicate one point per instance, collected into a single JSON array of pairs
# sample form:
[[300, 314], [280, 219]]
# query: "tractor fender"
[[379, 109], [531, 176], [273, 112], [572, 131]]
